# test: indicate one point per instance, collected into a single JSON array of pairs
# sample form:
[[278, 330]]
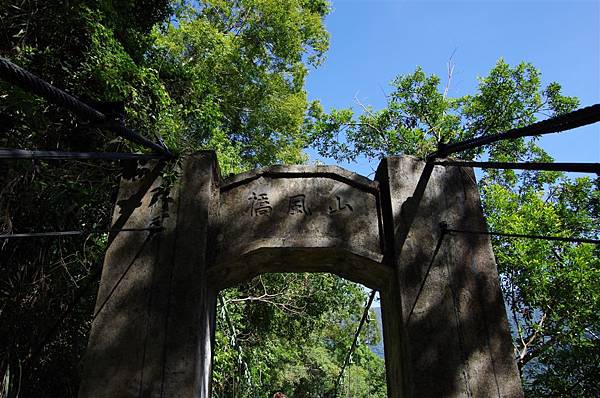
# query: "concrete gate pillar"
[[154, 319], [446, 294]]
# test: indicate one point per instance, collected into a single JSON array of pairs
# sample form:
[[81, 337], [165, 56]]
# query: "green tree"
[[291, 332], [236, 70], [222, 75], [551, 289], [58, 40]]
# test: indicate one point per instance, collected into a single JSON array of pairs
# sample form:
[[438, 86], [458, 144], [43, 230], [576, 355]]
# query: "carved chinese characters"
[[297, 204], [299, 211], [260, 205], [339, 206]]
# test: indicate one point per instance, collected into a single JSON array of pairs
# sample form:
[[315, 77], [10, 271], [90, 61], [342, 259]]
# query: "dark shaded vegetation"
[[227, 76]]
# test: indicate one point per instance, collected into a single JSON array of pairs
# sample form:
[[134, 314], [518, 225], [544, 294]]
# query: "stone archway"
[[299, 219], [445, 328]]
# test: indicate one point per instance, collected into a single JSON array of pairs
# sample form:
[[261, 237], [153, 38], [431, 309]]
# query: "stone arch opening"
[[313, 377], [302, 219]]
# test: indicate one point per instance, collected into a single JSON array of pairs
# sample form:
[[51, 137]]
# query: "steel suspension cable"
[[526, 236], [15, 154], [567, 121], [32, 83], [355, 340], [57, 234], [568, 167]]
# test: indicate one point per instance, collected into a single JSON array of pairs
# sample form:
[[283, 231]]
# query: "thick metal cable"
[[31, 83], [353, 346], [10, 153], [568, 167], [568, 121], [55, 234], [527, 236]]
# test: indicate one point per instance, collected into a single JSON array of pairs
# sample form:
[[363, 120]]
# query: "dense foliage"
[[297, 342], [68, 43], [222, 75], [551, 289]]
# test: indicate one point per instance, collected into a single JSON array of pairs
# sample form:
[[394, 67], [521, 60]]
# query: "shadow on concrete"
[[455, 329]]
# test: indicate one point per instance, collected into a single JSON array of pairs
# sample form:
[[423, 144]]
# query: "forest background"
[[232, 76]]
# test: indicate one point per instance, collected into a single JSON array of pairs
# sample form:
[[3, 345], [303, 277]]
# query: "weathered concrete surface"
[[155, 311], [113, 364], [316, 218], [289, 259], [455, 334], [445, 328]]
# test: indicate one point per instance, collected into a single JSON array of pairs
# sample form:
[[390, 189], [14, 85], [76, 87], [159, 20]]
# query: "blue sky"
[[372, 41]]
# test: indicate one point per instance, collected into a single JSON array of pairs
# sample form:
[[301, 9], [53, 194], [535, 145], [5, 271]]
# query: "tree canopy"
[[221, 75], [551, 289]]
